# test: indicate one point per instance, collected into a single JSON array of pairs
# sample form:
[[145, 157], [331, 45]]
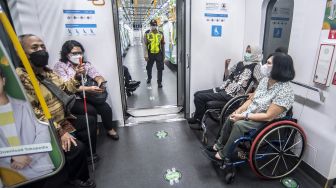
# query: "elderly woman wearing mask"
[[237, 80], [272, 99]]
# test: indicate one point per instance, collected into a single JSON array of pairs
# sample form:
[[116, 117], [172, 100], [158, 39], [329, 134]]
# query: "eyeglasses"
[[76, 53]]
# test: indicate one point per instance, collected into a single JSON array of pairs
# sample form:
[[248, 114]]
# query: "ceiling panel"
[[137, 11]]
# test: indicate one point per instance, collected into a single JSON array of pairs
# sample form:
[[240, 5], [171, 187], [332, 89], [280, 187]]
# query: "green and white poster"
[[25, 142]]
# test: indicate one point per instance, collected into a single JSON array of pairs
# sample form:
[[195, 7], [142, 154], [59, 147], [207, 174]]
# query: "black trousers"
[[158, 58], [127, 75], [82, 133], [201, 98], [76, 163], [75, 167], [104, 110]]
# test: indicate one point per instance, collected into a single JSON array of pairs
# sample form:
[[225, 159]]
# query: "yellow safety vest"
[[154, 42]]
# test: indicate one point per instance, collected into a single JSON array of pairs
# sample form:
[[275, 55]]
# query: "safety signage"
[[173, 176], [80, 22], [277, 33], [161, 134], [332, 34], [216, 31], [290, 182]]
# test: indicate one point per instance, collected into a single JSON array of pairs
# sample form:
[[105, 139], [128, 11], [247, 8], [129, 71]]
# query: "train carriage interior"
[[167, 93]]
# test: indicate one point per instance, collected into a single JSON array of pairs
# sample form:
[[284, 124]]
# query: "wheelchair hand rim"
[[263, 133]]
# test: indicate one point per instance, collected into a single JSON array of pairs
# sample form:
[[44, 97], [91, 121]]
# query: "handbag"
[[68, 101], [94, 98]]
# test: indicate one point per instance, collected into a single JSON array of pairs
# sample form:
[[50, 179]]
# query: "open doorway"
[[151, 96], [278, 25]]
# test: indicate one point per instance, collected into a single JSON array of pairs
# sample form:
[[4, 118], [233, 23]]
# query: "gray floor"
[[149, 96], [139, 159]]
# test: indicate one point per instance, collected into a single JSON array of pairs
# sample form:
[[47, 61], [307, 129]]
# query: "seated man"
[[18, 126], [272, 99], [236, 82], [76, 162], [130, 85]]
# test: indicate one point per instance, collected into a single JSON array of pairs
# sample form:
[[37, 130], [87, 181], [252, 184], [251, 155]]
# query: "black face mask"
[[39, 58]]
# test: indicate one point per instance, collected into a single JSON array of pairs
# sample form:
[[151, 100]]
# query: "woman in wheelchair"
[[272, 99]]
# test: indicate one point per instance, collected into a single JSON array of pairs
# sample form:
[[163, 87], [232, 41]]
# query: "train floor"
[[149, 95], [141, 159]]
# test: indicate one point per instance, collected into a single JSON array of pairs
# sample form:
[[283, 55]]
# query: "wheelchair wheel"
[[277, 150], [230, 107]]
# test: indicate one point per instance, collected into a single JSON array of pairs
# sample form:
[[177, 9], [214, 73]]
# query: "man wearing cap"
[[154, 52]]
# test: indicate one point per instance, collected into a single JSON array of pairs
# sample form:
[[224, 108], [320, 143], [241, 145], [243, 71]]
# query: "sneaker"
[[83, 184], [133, 84], [193, 120], [131, 89], [159, 85], [195, 127]]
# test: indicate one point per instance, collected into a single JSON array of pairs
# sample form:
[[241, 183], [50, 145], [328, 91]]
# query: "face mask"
[[247, 57], [75, 59], [39, 58], [153, 28], [266, 70]]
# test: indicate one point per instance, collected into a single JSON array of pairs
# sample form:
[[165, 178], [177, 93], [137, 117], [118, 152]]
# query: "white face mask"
[[153, 28], [266, 70], [75, 59]]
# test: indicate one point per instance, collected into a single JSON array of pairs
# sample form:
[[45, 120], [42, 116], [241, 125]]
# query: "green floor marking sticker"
[[173, 176], [289, 182], [161, 134]]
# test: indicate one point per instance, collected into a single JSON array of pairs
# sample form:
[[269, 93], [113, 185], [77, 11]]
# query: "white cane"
[[87, 118]]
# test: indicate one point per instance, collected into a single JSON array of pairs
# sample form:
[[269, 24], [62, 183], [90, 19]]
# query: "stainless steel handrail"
[[322, 97]]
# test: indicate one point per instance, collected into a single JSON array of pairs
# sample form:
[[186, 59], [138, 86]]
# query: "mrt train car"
[[167, 93]]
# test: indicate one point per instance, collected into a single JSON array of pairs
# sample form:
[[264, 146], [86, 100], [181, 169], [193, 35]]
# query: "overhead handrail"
[[322, 97]]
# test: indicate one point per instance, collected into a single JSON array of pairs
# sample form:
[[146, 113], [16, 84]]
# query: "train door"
[[278, 25], [132, 20]]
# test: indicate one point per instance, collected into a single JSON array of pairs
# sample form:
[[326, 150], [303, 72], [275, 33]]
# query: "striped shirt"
[[54, 105], [7, 125]]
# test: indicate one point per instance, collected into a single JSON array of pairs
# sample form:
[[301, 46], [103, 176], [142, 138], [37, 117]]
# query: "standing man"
[[154, 52]]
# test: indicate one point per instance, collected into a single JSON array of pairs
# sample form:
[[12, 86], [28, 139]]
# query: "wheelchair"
[[272, 151]]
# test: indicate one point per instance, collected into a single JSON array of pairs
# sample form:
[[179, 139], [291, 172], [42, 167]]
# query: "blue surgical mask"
[[247, 56]]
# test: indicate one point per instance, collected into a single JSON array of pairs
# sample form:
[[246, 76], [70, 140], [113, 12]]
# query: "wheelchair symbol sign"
[[216, 30], [277, 33]]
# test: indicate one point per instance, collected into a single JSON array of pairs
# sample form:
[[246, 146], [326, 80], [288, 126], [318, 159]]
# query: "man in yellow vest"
[[154, 52]]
